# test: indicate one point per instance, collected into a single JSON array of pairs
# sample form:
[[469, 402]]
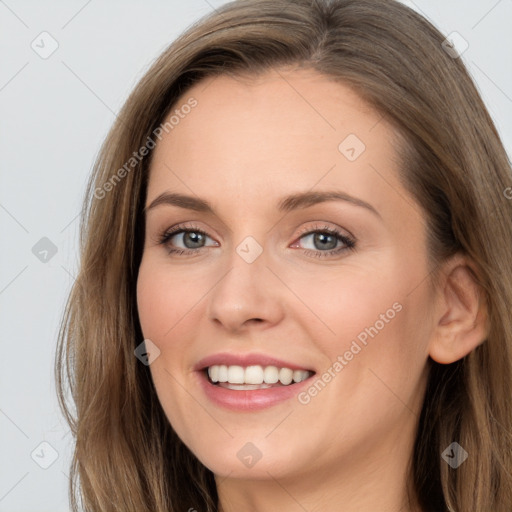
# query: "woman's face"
[[295, 248]]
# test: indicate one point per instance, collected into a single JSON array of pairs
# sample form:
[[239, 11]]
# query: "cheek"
[[375, 361], [372, 319], [154, 304], [163, 304], [349, 304], [163, 299]]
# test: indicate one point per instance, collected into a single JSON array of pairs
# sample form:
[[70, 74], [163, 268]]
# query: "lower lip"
[[251, 400]]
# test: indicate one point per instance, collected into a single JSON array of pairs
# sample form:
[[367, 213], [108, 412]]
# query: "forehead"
[[254, 138]]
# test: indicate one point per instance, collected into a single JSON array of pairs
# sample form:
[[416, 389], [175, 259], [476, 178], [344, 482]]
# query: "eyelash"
[[349, 243]]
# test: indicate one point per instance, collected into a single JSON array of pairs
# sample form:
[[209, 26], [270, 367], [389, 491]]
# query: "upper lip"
[[249, 359]]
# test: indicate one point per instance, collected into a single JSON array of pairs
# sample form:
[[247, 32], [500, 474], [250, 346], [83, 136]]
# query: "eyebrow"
[[286, 204]]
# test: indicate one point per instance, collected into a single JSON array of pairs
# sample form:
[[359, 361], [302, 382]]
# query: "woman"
[[295, 280]]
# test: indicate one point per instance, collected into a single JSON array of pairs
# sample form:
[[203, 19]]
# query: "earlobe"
[[462, 320]]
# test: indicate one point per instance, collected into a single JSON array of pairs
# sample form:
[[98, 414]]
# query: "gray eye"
[[321, 241]]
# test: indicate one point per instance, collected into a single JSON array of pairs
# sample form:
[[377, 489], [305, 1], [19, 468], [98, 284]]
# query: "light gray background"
[[55, 114]]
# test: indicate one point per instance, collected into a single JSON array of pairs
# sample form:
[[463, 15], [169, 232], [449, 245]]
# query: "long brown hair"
[[127, 456]]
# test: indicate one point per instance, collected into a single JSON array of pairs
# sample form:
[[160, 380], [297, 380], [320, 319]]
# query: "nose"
[[247, 296]]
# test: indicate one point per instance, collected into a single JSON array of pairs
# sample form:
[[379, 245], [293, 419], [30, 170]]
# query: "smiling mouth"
[[246, 378]]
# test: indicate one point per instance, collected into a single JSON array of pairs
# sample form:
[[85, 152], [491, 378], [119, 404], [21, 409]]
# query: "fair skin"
[[246, 145]]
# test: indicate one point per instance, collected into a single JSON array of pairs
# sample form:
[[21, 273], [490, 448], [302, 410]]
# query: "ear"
[[461, 313]]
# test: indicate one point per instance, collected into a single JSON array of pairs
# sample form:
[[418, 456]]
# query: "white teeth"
[[300, 375], [271, 374], [213, 372], [245, 387], [285, 376], [255, 375], [236, 375], [223, 373]]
